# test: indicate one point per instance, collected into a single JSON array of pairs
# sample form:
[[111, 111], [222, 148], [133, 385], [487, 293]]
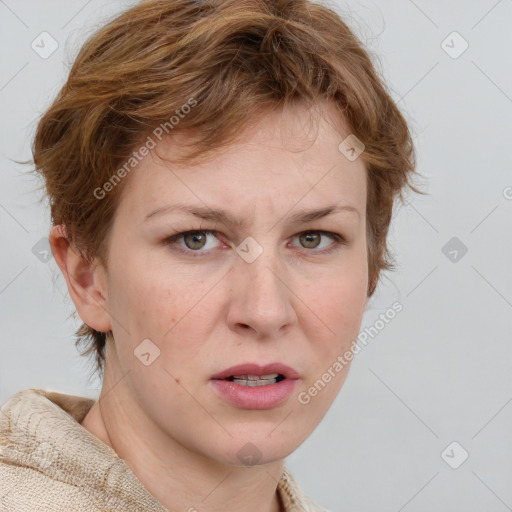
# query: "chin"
[[257, 447]]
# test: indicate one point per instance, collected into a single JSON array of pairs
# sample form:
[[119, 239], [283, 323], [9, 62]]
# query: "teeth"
[[255, 380], [254, 383], [256, 377]]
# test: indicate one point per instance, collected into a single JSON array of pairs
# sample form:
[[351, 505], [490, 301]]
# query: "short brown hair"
[[234, 59]]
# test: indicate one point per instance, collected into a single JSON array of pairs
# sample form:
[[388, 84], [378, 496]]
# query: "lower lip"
[[258, 397]]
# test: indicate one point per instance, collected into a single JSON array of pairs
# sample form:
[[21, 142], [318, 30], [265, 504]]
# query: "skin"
[[292, 304]]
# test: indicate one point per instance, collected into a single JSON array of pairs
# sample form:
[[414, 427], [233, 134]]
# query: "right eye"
[[193, 240]]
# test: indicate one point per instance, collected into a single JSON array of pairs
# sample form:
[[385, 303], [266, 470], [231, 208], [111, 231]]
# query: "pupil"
[[194, 237], [309, 237]]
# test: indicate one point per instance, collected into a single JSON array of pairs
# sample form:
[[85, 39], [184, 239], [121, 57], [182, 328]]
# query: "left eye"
[[313, 237], [195, 240]]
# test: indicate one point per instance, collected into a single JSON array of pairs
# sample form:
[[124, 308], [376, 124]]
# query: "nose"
[[260, 302]]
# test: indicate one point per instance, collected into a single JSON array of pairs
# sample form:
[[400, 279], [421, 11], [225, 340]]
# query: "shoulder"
[[49, 461], [28, 455], [23, 489]]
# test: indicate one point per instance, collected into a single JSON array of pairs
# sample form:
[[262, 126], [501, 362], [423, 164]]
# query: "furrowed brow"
[[224, 217]]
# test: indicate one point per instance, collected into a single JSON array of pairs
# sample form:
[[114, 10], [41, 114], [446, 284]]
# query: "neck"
[[179, 477]]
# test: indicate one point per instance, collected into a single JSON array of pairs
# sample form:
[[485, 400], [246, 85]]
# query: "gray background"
[[441, 370]]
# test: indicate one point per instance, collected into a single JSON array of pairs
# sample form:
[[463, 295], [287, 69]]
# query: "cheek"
[[152, 301], [143, 292], [340, 305], [342, 311], [339, 302]]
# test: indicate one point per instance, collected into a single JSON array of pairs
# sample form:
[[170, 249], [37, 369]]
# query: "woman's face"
[[256, 290]]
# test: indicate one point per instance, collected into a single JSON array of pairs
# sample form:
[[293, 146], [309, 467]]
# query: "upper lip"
[[255, 369]]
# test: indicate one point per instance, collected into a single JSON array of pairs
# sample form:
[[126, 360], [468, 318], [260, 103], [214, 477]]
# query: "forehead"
[[287, 157]]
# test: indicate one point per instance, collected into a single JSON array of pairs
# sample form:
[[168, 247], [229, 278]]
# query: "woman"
[[221, 177]]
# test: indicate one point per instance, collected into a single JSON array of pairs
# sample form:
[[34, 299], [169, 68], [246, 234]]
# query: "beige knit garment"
[[49, 462]]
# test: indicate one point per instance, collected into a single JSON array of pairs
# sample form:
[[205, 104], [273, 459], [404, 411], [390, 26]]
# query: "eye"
[[312, 240], [195, 240]]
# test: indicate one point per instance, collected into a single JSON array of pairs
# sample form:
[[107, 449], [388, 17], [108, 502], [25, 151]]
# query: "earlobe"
[[84, 280]]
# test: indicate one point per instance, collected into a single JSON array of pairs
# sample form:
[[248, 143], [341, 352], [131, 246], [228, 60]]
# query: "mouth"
[[251, 386], [253, 381], [260, 374]]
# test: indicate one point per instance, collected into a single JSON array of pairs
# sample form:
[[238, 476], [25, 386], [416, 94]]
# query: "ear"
[[86, 281]]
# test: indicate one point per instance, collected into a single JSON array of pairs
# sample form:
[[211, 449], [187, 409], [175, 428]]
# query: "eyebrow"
[[227, 219]]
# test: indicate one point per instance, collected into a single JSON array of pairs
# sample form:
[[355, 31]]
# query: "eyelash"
[[338, 242]]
